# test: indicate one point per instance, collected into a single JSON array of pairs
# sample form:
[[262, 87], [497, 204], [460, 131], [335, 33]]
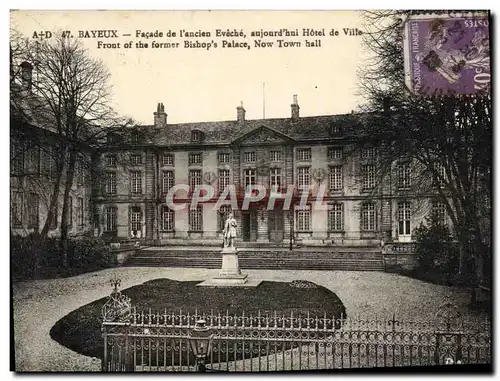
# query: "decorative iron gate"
[[139, 341]]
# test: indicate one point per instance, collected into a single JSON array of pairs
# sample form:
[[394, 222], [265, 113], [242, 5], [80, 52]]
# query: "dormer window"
[[335, 129], [196, 136], [111, 138], [135, 137]]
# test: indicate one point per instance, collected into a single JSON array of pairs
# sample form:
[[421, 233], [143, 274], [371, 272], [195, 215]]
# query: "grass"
[[80, 330]]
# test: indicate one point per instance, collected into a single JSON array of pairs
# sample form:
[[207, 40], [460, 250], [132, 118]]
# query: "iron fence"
[[266, 341]]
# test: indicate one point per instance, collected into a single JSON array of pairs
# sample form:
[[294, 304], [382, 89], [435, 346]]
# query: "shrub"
[[435, 248]]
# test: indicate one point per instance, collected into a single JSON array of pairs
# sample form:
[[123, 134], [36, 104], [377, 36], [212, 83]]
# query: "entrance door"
[[249, 226], [276, 226]]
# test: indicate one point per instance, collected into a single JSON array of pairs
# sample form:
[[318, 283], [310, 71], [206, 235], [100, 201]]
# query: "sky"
[[197, 84]]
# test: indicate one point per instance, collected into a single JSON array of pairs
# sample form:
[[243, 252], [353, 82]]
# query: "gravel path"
[[38, 305]]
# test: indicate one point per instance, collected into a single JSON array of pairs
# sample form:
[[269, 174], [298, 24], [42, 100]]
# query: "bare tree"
[[446, 139]]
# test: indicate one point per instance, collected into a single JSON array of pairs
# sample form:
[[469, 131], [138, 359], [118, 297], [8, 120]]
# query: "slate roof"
[[225, 132]]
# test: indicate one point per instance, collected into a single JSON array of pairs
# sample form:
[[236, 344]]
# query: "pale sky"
[[197, 85]]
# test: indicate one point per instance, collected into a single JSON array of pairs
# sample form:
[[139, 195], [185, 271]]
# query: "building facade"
[[295, 156]]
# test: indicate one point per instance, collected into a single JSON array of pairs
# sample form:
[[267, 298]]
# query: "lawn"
[[80, 330]]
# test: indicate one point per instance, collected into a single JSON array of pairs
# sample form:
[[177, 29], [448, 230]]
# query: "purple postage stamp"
[[448, 54]]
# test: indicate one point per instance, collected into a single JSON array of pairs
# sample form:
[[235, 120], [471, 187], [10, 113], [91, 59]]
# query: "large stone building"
[[136, 175]]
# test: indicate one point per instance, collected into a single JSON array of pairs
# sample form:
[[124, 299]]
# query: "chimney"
[[240, 113], [26, 75], [160, 116], [295, 108]]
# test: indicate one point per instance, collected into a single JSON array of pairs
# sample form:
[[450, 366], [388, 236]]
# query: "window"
[[223, 213], [303, 177], [55, 215], [49, 163], [136, 159], [303, 218], [439, 212], [368, 217], [135, 137], [194, 178], [224, 157], [167, 219], [33, 211], [336, 218], [110, 215], [167, 181], [135, 219], [17, 209], [368, 172], [275, 155], [136, 182], [79, 173], [404, 175], [195, 136], [111, 161], [441, 176], [112, 138], [17, 158], [303, 154], [367, 152], [335, 129], [223, 179], [80, 212], [404, 217], [34, 160], [249, 176], [69, 212], [335, 179], [275, 178], [167, 159], [111, 182], [335, 153], [195, 159], [95, 219], [196, 219], [250, 157]]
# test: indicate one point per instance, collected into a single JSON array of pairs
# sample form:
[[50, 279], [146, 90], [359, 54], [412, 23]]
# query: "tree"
[[446, 139]]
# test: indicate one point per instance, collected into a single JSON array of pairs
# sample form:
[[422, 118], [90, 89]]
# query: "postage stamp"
[[448, 54]]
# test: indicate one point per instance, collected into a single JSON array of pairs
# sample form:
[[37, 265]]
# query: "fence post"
[[104, 361]]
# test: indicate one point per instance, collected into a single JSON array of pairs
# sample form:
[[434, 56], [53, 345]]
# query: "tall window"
[[167, 181], [194, 178], [136, 159], [69, 212], [111, 182], [368, 152], [250, 176], [223, 179], [303, 178], [223, 213], [275, 178], [135, 219], [250, 157], [34, 160], [17, 209], [195, 136], [79, 172], [368, 222], [80, 212], [303, 154], [136, 182], [404, 217], [336, 217], [441, 176], [55, 216], [303, 218], [111, 161], [404, 175], [439, 211], [368, 172], [335, 179], [167, 219], [49, 163], [195, 159], [17, 158], [335, 153], [167, 159], [275, 155], [224, 157], [110, 215], [33, 210], [196, 219]]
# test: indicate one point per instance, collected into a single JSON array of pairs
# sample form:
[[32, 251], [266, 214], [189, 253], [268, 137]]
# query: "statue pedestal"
[[230, 273]]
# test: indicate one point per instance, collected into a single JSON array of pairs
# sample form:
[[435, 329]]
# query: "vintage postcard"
[[250, 191]]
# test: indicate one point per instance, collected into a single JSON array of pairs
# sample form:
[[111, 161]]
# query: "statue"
[[230, 231]]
